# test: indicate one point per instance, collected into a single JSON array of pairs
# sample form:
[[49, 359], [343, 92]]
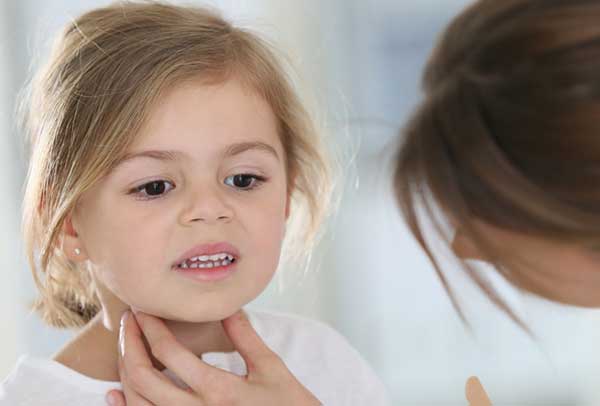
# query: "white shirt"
[[319, 357]]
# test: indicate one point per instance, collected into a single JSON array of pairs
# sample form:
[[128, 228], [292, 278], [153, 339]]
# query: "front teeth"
[[216, 257], [208, 261]]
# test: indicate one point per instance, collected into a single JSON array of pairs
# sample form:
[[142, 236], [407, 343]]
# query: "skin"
[[129, 236], [475, 393], [268, 381], [556, 270]]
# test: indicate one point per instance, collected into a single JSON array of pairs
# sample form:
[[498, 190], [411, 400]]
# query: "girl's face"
[[559, 271], [206, 177]]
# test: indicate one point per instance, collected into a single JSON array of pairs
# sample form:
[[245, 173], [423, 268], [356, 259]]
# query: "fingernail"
[[122, 345], [122, 334], [124, 318], [111, 399]]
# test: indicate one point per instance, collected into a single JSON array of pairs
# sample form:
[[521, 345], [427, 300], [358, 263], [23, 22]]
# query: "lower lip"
[[207, 274]]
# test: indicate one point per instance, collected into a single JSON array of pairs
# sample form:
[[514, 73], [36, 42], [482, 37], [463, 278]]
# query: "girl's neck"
[[93, 352]]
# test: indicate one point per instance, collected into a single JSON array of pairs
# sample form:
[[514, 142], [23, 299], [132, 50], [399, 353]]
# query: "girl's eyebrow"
[[236, 149], [231, 150]]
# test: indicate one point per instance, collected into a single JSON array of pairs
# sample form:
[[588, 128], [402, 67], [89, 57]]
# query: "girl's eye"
[[153, 190], [244, 181]]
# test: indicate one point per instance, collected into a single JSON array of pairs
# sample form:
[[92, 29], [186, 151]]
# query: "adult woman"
[[503, 153], [506, 143]]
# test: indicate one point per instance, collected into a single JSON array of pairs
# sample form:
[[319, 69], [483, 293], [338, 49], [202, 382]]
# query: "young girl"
[[167, 148], [506, 144]]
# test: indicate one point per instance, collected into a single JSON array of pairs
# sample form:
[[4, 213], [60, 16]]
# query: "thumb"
[[476, 394], [247, 341], [116, 398]]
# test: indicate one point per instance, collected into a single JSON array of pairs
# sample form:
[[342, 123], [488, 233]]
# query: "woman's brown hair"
[[508, 132]]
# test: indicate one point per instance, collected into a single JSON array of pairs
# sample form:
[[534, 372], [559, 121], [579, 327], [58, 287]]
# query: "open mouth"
[[208, 261]]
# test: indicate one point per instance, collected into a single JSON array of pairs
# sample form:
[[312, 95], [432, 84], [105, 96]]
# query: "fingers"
[[248, 343], [476, 394], [130, 352], [143, 385], [177, 358], [130, 396], [115, 398]]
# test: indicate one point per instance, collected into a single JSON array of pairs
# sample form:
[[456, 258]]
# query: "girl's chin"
[[197, 318]]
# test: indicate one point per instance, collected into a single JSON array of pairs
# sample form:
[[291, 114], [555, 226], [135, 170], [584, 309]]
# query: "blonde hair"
[[86, 106]]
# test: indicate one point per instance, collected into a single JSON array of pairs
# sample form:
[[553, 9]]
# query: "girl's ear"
[[71, 243], [464, 247]]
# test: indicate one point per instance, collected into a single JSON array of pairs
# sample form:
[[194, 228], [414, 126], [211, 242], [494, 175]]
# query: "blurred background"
[[359, 64]]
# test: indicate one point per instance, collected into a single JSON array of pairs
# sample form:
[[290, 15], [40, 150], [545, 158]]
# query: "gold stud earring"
[[77, 251]]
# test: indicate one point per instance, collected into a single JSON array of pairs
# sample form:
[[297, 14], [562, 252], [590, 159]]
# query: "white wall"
[[10, 176]]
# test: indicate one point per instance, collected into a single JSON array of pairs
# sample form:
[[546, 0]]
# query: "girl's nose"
[[207, 206]]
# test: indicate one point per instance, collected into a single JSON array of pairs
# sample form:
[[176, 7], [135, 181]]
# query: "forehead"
[[209, 116]]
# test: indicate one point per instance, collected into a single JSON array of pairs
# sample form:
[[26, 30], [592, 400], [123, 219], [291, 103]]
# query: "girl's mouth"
[[208, 262], [208, 268], [214, 261]]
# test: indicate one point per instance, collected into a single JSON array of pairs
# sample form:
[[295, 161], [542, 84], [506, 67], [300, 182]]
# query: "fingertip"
[[470, 386], [143, 318], [248, 342], [241, 314], [238, 317], [472, 380], [121, 342], [124, 318], [115, 398], [475, 393]]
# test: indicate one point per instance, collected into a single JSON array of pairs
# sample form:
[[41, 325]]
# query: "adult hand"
[[476, 394], [268, 381]]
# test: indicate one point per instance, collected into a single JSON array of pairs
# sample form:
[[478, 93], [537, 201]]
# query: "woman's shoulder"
[[37, 381]]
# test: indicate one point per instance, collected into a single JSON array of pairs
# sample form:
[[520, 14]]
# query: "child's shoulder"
[[17, 389], [292, 328], [37, 381], [291, 334], [285, 320], [320, 358]]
